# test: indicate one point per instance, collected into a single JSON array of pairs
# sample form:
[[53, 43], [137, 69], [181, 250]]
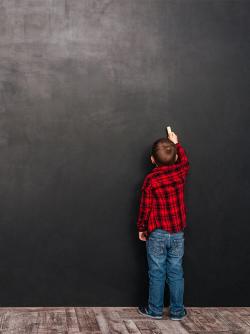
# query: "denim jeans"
[[164, 254]]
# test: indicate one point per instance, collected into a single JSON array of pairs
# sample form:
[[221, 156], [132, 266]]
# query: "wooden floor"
[[124, 320]]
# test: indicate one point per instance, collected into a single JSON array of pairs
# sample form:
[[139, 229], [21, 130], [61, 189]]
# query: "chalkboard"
[[86, 87]]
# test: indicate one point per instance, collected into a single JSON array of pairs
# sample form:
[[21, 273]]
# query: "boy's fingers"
[[142, 236]]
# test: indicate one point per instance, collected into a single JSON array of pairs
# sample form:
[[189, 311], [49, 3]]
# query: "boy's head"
[[163, 152]]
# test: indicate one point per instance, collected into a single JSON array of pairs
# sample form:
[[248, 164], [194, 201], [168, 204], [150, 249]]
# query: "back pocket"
[[156, 246], [177, 247]]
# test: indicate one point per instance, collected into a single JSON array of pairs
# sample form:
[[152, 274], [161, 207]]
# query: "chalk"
[[169, 130]]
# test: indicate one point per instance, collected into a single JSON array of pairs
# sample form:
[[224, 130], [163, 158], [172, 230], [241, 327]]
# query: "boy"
[[161, 222]]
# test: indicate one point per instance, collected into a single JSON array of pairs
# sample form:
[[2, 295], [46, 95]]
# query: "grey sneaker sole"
[[158, 317]]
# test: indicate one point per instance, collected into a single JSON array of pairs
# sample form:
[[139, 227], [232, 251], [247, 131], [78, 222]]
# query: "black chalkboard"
[[86, 87]]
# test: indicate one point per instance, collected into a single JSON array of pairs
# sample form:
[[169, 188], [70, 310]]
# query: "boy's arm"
[[145, 207], [183, 159], [182, 162]]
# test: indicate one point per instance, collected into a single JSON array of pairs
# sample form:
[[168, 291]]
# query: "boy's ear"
[[176, 157], [153, 160]]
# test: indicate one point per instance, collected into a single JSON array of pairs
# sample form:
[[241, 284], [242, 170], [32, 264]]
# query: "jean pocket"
[[177, 247], [156, 247]]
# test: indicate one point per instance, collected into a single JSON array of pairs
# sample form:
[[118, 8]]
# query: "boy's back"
[[162, 202]]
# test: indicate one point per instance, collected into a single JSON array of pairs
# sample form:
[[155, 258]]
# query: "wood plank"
[[129, 313], [190, 323], [52, 321], [102, 321], [208, 319], [244, 315], [148, 327], [32, 309], [87, 320], [131, 326], [21, 322], [232, 321], [172, 327], [216, 332], [132, 313], [71, 321], [115, 323]]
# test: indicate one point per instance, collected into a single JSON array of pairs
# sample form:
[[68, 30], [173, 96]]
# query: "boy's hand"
[[143, 235], [173, 137]]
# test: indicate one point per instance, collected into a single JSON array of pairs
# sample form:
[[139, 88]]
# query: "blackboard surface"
[[85, 88]]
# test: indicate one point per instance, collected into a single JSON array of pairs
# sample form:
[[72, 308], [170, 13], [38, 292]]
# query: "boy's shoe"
[[144, 311], [178, 317]]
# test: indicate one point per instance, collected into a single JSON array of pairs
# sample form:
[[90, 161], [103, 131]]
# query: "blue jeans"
[[164, 254]]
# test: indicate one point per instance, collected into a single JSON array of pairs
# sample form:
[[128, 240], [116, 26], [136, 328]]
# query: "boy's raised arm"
[[181, 154], [182, 163]]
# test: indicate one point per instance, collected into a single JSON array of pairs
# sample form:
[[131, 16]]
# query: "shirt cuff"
[[142, 228]]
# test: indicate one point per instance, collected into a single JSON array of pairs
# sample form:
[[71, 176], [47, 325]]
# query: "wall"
[[86, 87]]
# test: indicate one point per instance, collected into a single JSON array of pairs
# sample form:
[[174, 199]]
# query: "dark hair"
[[164, 152]]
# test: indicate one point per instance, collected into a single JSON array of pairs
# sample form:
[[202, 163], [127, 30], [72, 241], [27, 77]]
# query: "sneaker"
[[178, 317], [144, 311]]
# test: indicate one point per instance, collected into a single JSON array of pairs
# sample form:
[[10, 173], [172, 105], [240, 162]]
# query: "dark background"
[[85, 88]]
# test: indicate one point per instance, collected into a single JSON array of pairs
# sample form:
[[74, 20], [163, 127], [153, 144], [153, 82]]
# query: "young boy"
[[161, 223]]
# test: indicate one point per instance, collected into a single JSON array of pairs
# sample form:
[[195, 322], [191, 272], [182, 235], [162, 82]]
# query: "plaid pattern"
[[162, 200]]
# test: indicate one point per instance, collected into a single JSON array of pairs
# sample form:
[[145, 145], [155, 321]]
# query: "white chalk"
[[169, 129]]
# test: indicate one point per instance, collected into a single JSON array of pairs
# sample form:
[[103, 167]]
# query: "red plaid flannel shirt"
[[162, 200]]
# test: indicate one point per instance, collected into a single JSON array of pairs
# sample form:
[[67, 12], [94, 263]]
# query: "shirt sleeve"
[[145, 206], [183, 162]]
